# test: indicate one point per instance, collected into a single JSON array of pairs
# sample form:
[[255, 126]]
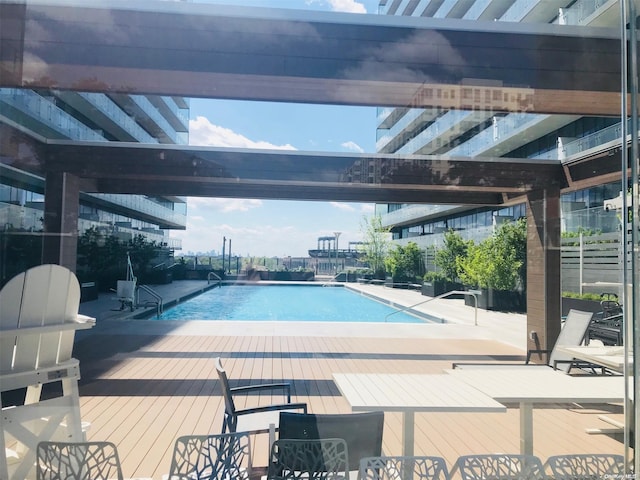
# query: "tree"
[[376, 244], [446, 257], [406, 263], [498, 262]]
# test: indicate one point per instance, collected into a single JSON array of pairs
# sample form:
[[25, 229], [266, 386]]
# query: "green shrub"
[[583, 296]]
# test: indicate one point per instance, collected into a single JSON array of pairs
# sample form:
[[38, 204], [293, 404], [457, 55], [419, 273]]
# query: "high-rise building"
[[93, 117], [478, 130]]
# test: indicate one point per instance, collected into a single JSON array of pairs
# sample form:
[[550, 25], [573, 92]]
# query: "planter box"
[[438, 287], [580, 304], [497, 300]]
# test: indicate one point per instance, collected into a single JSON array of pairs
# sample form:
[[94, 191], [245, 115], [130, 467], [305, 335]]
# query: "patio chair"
[[317, 459], [585, 466], [396, 468], [38, 320], [255, 419], [361, 431], [214, 457], [78, 461], [499, 467], [572, 333]]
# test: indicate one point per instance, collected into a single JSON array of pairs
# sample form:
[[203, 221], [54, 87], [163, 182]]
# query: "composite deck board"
[[152, 390]]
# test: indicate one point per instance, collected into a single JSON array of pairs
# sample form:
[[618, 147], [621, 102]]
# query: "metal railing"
[[216, 276], [452, 292], [156, 296], [333, 280]]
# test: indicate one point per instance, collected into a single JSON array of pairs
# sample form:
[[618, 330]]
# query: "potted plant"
[[406, 264], [495, 267], [434, 284]]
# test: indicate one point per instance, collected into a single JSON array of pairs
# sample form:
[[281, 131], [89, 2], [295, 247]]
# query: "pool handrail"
[[155, 295], [452, 292], [216, 276]]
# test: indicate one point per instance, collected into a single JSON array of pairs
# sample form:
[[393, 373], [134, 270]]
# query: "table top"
[[608, 356], [541, 385], [412, 393]]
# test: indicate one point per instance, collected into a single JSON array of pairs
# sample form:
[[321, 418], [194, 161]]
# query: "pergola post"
[[61, 209], [543, 269]]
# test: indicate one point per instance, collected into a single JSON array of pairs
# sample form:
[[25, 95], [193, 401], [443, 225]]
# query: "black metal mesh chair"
[[318, 459]]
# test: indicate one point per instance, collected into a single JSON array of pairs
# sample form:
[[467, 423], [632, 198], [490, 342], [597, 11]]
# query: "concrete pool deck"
[[459, 319]]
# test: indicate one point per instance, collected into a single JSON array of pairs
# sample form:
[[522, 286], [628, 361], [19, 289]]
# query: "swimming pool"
[[285, 302]]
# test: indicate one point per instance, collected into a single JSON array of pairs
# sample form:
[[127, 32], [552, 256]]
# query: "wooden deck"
[[143, 390]]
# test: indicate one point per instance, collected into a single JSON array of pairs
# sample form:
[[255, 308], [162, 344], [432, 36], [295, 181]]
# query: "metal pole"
[[224, 242], [229, 269]]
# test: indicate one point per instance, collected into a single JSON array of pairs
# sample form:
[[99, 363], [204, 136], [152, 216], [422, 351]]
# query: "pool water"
[[285, 302]]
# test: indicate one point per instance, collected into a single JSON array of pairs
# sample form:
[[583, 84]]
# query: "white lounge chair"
[[572, 333], [38, 320]]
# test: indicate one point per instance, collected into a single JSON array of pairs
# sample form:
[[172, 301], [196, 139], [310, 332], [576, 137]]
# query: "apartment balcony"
[[177, 117], [410, 122], [147, 115], [108, 116], [139, 207], [416, 213], [40, 115], [510, 132]]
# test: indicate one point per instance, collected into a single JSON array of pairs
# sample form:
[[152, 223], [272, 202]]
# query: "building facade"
[[50, 115], [476, 130]]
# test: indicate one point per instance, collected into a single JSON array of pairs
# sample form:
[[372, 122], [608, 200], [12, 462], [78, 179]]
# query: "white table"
[[410, 393], [527, 385], [611, 357]]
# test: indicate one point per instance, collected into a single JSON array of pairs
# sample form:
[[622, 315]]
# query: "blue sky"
[[271, 227]]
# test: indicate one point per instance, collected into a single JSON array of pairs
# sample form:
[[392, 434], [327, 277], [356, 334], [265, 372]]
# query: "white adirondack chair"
[[38, 320]]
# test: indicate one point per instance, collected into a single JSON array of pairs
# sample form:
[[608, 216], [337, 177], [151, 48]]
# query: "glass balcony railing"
[[125, 233], [154, 114], [580, 12], [413, 212], [181, 113], [142, 204], [385, 143], [43, 114], [108, 107]]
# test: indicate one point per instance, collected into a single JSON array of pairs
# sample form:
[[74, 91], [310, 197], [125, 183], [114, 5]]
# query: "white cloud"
[[204, 133], [353, 146], [368, 208], [223, 204], [350, 6], [343, 206]]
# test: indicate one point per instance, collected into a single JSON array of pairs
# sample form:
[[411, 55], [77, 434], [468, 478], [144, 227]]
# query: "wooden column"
[[61, 209], [543, 269]]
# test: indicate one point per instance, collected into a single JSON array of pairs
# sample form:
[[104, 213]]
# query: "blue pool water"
[[287, 302]]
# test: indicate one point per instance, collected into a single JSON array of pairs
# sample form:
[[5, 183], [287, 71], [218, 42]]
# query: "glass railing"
[[19, 217], [413, 212], [440, 133], [144, 205], [606, 135], [154, 114], [181, 113], [118, 116], [581, 10], [519, 10], [43, 111], [125, 234], [502, 129], [398, 128]]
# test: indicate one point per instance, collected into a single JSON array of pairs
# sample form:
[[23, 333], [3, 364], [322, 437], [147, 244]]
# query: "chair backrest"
[[220, 457], [572, 334], [361, 431], [500, 466], [78, 461], [229, 406], [45, 295], [586, 466], [395, 468], [315, 459]]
